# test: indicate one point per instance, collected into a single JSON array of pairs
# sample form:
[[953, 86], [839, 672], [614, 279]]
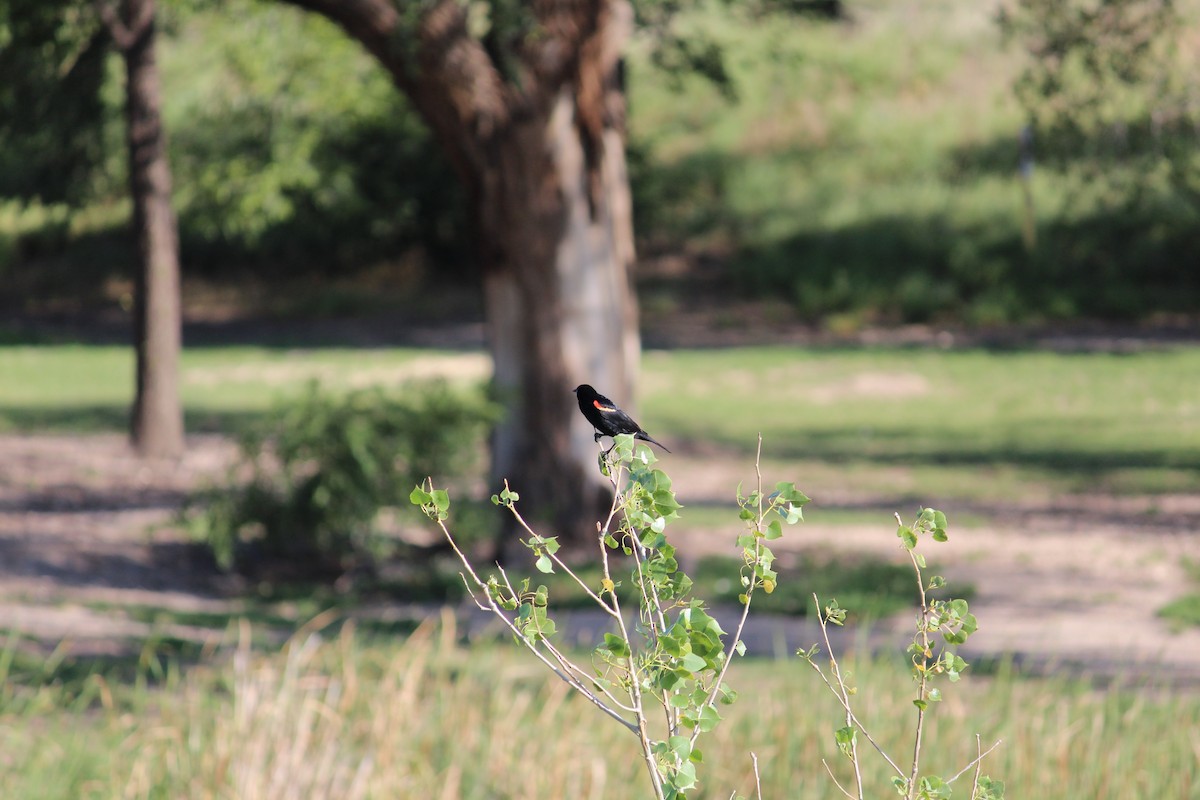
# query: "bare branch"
[[833, 778], [530, 645], [977, 762]]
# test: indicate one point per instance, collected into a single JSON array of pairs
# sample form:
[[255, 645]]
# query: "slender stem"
[[757, 780], [922, 680], [741, 626], [635, 689], [843, 694]]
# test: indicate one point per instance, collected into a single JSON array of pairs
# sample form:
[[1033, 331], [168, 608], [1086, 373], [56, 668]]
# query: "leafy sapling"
[[660, 672], [941, 625]]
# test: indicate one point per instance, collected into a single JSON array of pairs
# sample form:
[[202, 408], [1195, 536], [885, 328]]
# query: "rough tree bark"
[[157, 419], [542, 155]]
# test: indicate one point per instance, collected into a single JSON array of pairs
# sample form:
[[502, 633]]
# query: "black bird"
[[606, 418]]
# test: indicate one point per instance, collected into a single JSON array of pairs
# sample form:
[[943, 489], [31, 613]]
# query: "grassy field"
[[963, 423], [83, 388], [352, 716], [972, 424], [369, 715]]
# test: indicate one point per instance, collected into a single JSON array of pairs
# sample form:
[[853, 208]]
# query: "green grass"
[[86, 388], [424, 718], [969, 423], [902, 423]]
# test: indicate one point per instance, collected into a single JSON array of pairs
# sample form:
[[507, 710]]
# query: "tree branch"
[[125, 34]]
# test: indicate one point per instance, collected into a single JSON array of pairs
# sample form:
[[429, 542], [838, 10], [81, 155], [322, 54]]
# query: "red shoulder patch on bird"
[[601, 406]]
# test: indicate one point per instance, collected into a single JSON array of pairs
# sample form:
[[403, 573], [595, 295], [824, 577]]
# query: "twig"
[[976, 763], [558, 562], [833, 778], [754, 758], [843, 696], [570, 679]]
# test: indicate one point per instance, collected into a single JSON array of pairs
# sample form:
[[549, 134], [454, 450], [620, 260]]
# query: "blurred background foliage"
[[858, 164]]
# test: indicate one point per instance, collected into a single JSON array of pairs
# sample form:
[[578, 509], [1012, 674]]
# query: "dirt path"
[[1075, 582]]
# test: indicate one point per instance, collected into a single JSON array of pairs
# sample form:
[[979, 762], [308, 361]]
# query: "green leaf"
[[920, 704], [907, 537], [441, 499], [709, 719], [680, 746], [939, 519], [939, 535], [739, 647], [419, 497], [787, 492], [933, 787], [544, 564], [774, 530], [616, 645], [685, 778], [846, 739], [692, 662], [989, 789]]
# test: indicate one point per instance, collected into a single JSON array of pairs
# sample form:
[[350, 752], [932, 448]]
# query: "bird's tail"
[[648, 438]]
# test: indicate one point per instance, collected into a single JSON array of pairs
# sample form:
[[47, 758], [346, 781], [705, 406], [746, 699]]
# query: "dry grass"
[[346, 718]]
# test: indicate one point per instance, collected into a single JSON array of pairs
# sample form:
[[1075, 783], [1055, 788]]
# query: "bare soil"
[[1071, 583]]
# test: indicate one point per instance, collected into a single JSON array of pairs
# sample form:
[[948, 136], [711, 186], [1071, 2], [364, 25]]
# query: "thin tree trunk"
[[157, 420]]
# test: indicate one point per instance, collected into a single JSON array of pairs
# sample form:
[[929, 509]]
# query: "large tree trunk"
[[542, 156], [560, 308], [157, 420]]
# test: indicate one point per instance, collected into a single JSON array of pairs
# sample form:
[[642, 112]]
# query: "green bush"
[[327, 466]]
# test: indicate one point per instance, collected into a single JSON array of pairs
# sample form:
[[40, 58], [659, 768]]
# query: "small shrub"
[[326, 465]]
